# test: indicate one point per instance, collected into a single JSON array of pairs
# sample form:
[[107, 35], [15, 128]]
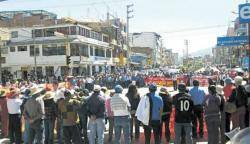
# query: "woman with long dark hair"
[[134, 99]]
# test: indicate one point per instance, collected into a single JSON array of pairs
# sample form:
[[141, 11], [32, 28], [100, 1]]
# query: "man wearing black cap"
[[183, 114]]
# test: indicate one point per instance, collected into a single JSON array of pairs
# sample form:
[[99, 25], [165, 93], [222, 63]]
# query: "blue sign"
[[232, 41], [244, 13], [246, 62]]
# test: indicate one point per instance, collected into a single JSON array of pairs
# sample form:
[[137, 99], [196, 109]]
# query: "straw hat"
[[48, 95], [239, 80], [163, 90], [97, 88], [35, 90], [219, 90]]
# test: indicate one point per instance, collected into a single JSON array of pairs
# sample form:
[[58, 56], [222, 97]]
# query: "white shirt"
[[119, 104], [13, 106]]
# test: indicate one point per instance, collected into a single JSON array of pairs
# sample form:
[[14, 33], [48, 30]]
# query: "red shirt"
[[228, 91]]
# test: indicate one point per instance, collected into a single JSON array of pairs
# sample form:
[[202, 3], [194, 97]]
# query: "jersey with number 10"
[[183, 108]]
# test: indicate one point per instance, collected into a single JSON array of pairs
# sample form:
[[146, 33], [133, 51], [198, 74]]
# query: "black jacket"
[[96, 105]]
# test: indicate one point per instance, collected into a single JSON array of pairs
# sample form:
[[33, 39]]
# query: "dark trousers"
[[71, 133], [111, 127], [227, 121], [49, 125], [36, 132], [175, 84], [83, 127], [15, 128], [198, 114], [166, 120], [156, 126], [135, 122]]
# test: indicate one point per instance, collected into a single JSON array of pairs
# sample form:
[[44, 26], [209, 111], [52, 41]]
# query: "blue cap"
[[118, 89], [152, 86], [228, 81]]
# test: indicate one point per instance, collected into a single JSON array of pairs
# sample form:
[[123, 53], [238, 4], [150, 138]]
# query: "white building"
[[89, 50], [149, 40]]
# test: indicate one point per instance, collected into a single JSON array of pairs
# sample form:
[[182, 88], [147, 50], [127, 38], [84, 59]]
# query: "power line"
[[83, 4]]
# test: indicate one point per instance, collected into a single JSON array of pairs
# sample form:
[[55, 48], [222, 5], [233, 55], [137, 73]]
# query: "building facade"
[[147, 43], [89, 51]]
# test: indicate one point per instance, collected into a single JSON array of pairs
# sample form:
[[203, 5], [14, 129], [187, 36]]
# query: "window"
[[61, 50], [108, 53], [73, 30], [63, 30], [74, 50], [3, 60], [4, 50], [22, 48], [53, 49], [84, 50], [91, 51], [14, 34], [105, 39], [99, 52], [12, 49], [38, 32], [32, 51], [49, 32], [87, 33]]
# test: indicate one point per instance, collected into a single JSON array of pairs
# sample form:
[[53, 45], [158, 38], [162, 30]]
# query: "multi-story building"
[[147, 43], [89, 50], [232, 56]]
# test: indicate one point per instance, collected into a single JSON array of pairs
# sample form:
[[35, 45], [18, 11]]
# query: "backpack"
[[212, 104]]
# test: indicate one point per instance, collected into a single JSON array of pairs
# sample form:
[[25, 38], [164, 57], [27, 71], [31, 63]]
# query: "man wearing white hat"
[[96, 112], [239, 97]]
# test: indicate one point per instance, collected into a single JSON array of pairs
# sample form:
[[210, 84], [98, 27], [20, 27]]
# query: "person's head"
[[67, 94], [164, 91], [85, 92], [196, 83], [104, 89], [152, 87], [239, 81], [97, 89], [132, 89], [182, 87], [118, 89], [228, 81], [212, 89]]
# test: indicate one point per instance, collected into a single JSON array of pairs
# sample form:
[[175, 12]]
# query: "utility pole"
[[129, 17], [186, 42], [35, 62]]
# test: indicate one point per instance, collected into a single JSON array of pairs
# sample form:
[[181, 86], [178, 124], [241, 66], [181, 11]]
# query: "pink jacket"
[[108, 108]]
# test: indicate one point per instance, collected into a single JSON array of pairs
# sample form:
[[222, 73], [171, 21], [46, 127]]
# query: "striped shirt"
[[120, 105]]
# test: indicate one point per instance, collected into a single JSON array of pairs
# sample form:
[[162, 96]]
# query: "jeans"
[[49, 126], [15, 133], [71, 133], [59, 131], [156, 126], [213, 129], [198, 114], [166, 121], [96, 127], [26, 131], [36, 132], [135, 121], [238, 117], [83, 124], [111, 127], [122, 123], [187, 127]]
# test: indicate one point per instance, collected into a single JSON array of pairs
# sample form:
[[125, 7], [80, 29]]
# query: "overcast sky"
[[199, 21]]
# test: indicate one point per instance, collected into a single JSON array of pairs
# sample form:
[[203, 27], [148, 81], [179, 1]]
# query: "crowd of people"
[[30, 113]]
